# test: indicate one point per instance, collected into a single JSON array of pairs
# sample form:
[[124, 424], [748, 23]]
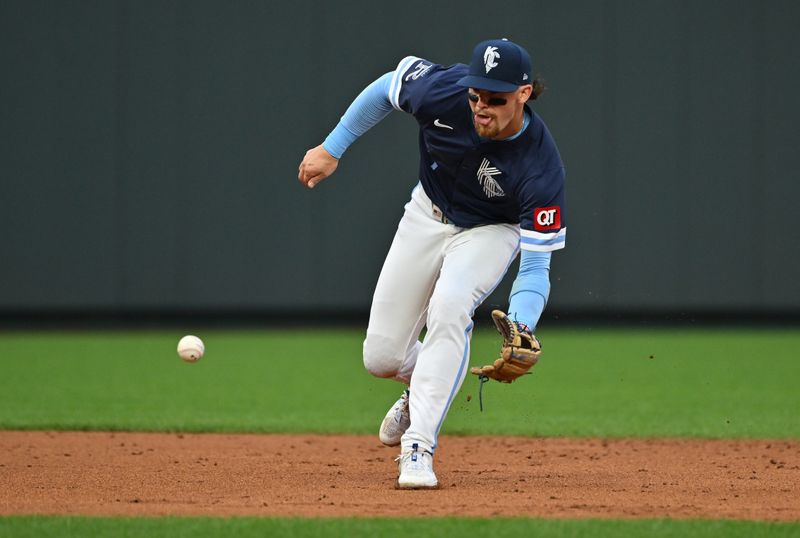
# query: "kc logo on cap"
[[498, 65], [489, 57]]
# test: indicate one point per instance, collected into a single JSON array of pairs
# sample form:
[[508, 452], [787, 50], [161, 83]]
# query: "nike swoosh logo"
[[437, 123]]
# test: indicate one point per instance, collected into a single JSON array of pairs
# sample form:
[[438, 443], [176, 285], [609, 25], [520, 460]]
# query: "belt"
[[439, 214]]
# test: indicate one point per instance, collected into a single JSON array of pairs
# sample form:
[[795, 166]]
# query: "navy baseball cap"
[[498, 65]]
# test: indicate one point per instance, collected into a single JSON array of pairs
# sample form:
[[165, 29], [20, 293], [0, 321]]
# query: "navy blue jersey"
[[477, 181]]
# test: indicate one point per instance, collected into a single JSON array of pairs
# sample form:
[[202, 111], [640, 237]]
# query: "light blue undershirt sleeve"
[[369, 108], [531, 288]]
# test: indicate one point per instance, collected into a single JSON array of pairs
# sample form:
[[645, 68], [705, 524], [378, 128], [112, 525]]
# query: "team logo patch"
[[419, 71], [547, 218], [486, 174], [489, 57]]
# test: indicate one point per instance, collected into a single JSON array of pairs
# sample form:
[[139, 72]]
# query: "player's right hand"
[[317, 165]]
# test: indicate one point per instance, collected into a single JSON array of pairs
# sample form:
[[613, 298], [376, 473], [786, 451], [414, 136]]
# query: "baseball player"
[[491, 183]]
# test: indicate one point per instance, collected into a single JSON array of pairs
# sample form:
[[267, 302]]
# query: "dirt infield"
[[137, 474]]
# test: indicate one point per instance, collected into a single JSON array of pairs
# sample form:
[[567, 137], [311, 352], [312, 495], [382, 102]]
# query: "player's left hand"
[[317, 165], [519, 352]]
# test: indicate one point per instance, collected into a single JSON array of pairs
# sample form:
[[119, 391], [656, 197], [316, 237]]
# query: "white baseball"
[[191, 348]]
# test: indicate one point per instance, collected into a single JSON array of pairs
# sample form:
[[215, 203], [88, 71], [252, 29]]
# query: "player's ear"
[[524, 93]]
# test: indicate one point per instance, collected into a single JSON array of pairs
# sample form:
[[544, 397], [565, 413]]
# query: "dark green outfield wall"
[[150, 149]]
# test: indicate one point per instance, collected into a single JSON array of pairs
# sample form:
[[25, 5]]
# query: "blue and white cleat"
[[416, 469], [396, 422]]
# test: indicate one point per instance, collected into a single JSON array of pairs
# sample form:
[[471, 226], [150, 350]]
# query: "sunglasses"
[[492, 101]]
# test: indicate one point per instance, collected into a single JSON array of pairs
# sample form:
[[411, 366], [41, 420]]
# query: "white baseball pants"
[[434, 276]]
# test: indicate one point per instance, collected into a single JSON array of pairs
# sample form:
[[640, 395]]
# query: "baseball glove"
[[519, 352]]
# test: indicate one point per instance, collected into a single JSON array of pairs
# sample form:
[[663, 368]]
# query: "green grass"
[[699, 383], [23, 527], [610, 383]]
